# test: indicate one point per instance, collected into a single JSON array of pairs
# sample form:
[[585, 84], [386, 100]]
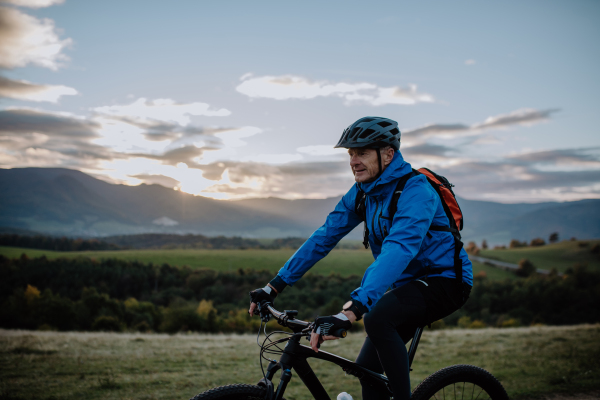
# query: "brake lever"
[[265, 315]]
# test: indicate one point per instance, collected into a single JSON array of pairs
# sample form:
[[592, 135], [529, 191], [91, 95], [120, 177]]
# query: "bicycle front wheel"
[[464, 382], [233, 392]]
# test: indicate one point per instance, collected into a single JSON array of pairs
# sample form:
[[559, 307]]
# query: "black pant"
[[393, 322]]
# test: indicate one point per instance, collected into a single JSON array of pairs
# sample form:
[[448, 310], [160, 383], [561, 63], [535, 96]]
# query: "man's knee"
[[375, 322]]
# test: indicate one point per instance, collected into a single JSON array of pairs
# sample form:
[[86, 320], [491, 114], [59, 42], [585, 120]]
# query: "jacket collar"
[[396, 169]]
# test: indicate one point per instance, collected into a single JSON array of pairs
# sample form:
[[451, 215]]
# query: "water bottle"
[[344, 396]]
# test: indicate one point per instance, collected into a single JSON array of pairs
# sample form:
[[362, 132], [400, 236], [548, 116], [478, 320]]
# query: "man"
[[411, 258]]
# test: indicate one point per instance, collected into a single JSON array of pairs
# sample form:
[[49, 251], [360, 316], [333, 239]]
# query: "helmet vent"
[[366, 133], [384, 124], [394, 131]]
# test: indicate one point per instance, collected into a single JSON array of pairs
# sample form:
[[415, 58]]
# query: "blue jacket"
[[402, 249]]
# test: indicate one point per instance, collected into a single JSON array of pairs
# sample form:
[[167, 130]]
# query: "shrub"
[[143, 327], [596, 249], [439, 324], [510, 323], [107, 323], [464, 321], [477, 324], [472, 248], [526, 268], [480, 275], [516, 244], [179, 318], [537, 242], [553, 238], [484, 244]]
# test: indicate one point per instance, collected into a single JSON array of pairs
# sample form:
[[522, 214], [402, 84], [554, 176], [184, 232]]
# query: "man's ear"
[[389, 155]]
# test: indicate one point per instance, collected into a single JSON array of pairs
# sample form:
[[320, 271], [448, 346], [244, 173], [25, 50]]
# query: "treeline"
[[54, 243], [85, 294], [117, 294], [190, 241]]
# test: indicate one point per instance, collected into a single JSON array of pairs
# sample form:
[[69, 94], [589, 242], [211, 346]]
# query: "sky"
[[241, 99]]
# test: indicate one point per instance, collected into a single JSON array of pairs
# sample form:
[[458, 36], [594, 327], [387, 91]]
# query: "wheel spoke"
[[478, 393], [463, 392]]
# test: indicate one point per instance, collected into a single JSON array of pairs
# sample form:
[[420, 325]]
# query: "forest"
[[116, 295]]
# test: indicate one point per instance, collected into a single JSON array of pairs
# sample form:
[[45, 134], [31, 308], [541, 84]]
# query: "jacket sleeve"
[[339, 223], [416, 209]]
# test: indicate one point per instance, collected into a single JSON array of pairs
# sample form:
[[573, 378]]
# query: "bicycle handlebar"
[[288, 319]]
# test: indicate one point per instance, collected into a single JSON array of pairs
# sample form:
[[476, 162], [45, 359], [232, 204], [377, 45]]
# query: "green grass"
[[344, 262], [52, 365], [560, 255]]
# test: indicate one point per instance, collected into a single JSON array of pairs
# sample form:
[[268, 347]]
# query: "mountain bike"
[[455, 382]]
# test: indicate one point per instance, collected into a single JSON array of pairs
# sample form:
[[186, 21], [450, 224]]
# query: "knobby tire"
[[233, 392], [473, 383]]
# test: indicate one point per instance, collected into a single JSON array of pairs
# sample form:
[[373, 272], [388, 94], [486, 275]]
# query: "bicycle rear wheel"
[[464, 382], [233, 392]]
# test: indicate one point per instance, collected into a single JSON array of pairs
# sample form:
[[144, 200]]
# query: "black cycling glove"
[[264, 294], [327, 326]]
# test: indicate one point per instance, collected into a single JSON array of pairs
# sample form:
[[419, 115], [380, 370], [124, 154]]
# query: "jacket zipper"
[[373, 222]]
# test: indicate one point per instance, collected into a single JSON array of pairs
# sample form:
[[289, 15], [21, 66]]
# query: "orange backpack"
[[451, 207]]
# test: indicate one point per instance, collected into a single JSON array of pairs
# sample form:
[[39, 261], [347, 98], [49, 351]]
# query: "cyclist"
[[414, 261]]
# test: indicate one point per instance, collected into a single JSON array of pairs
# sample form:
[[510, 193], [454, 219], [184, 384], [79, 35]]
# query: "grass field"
[[344, 262], [53, 365], [560, 255]]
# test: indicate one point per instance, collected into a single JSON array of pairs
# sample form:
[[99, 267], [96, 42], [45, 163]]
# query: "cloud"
[[165, 110], [157, 179], [32, 3], [428, 149], [21, 121], [296, 87], [533, 176], [23, 90], [581, 157], [185, 154], [523, 117], [293, 180], [27, 40], [321, 150], [470, 62], [165, 221]]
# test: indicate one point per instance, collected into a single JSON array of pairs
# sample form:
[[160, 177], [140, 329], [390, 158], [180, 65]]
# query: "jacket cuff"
[[278, 283], [358, 295]]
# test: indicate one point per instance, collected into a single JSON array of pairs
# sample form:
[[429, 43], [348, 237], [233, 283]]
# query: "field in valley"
[[561, 255], [53, 365], [344, 262]]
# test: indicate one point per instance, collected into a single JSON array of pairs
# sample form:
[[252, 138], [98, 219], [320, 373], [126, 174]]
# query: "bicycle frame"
[[295, 357]]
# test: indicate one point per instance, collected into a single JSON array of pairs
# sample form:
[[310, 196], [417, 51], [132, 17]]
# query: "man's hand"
[[325, 326], [268, 293]]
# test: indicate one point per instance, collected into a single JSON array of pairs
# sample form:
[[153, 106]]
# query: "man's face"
[[364, 164]]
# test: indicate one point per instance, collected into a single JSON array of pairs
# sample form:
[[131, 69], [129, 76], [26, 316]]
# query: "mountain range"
[[67, 202]]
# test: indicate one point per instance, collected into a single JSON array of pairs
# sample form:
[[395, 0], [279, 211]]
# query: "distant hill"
[[67, 202]]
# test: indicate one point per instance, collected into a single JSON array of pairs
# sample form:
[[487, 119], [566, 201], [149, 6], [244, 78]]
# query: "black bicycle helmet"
[[372, 132]]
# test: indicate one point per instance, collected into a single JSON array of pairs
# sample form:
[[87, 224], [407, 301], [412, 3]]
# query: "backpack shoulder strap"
[[398, 191], [359, 204]]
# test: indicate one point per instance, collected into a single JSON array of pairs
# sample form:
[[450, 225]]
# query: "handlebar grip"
[[341, 333]]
